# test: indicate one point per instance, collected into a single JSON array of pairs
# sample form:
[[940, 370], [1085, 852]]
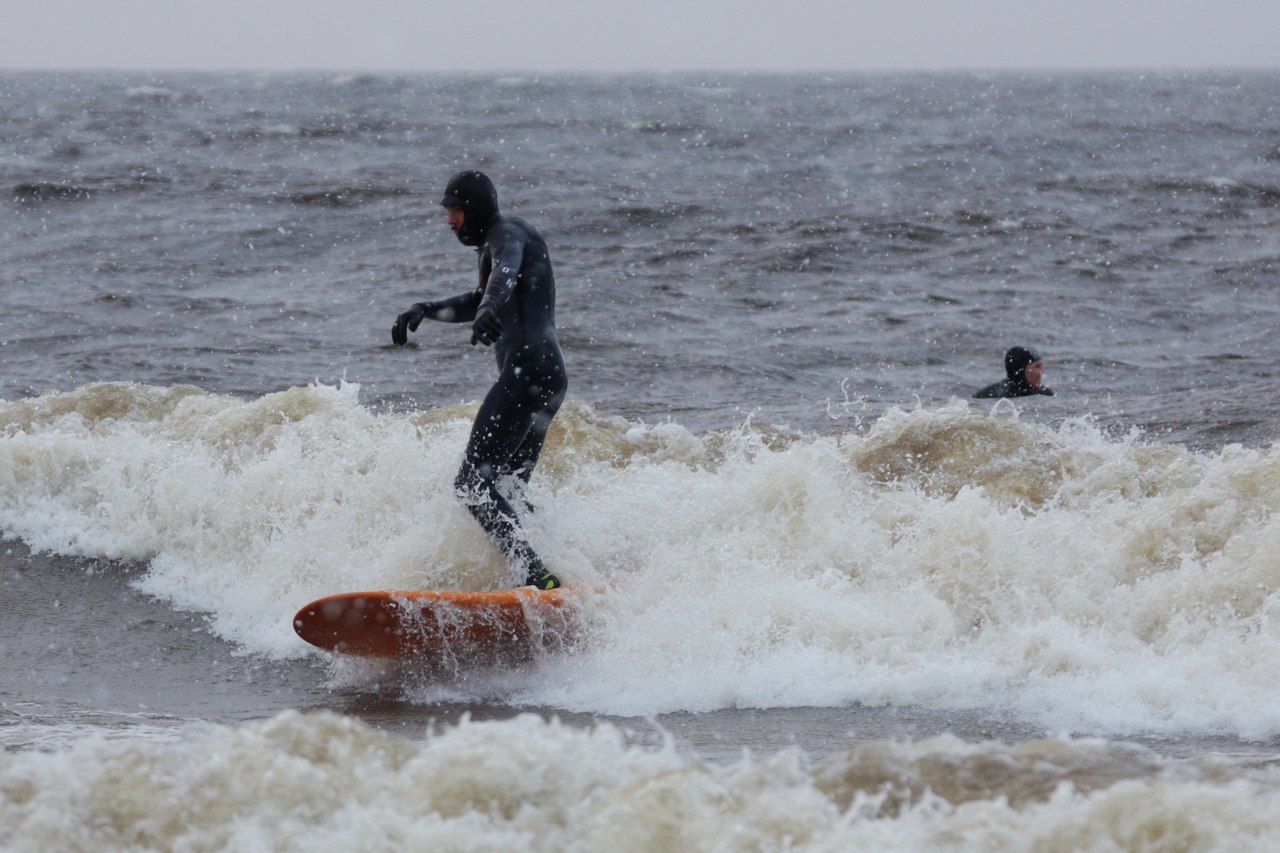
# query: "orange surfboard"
[[453, 628]]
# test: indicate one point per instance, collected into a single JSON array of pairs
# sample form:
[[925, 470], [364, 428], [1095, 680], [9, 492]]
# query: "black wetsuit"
[[1012, 388], [511, 426], [1015, 384]]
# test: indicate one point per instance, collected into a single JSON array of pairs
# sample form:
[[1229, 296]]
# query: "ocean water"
[[835, 602]]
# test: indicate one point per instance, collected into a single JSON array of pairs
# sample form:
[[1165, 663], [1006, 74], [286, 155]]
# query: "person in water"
[[513, 309], [1025, 372]]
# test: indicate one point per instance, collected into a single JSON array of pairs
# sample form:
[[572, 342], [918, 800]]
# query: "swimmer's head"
[[1016, 361], [473, 194]]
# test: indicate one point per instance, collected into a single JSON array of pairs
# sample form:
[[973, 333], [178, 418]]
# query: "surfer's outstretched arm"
[[455, 309]]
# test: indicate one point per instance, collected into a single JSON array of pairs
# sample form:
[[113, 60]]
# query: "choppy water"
[[933, 623]]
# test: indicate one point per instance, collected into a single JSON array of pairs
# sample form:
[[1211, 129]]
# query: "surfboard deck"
[[452, 628]]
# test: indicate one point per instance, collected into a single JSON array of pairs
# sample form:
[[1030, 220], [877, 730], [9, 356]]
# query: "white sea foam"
[[326, 782], [945, 558]]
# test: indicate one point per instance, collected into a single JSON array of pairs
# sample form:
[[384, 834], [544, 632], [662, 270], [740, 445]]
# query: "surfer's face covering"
[[475, 199]]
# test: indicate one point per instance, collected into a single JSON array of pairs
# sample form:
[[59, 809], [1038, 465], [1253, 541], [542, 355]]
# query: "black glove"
[[486, 328], [409, 319]]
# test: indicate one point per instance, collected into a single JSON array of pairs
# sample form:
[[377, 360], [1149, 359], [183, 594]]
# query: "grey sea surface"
[[761, 279]]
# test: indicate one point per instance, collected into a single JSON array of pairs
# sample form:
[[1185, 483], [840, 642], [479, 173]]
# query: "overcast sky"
[[617, 35]]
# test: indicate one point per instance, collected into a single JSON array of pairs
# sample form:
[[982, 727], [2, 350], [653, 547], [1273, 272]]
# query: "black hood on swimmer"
[[1017, 359], [478, 198]]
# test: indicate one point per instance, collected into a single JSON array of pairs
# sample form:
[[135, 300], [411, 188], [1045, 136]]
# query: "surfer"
[[1025, 372], [513, 309]]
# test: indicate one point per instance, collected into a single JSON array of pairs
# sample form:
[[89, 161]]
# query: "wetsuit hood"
[[1016, 361], [478, 198]]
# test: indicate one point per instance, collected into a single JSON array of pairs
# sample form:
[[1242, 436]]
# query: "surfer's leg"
[[544, 400], [496, 515], [512, 477], [525, 459], [520, 467], [501, 426]]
